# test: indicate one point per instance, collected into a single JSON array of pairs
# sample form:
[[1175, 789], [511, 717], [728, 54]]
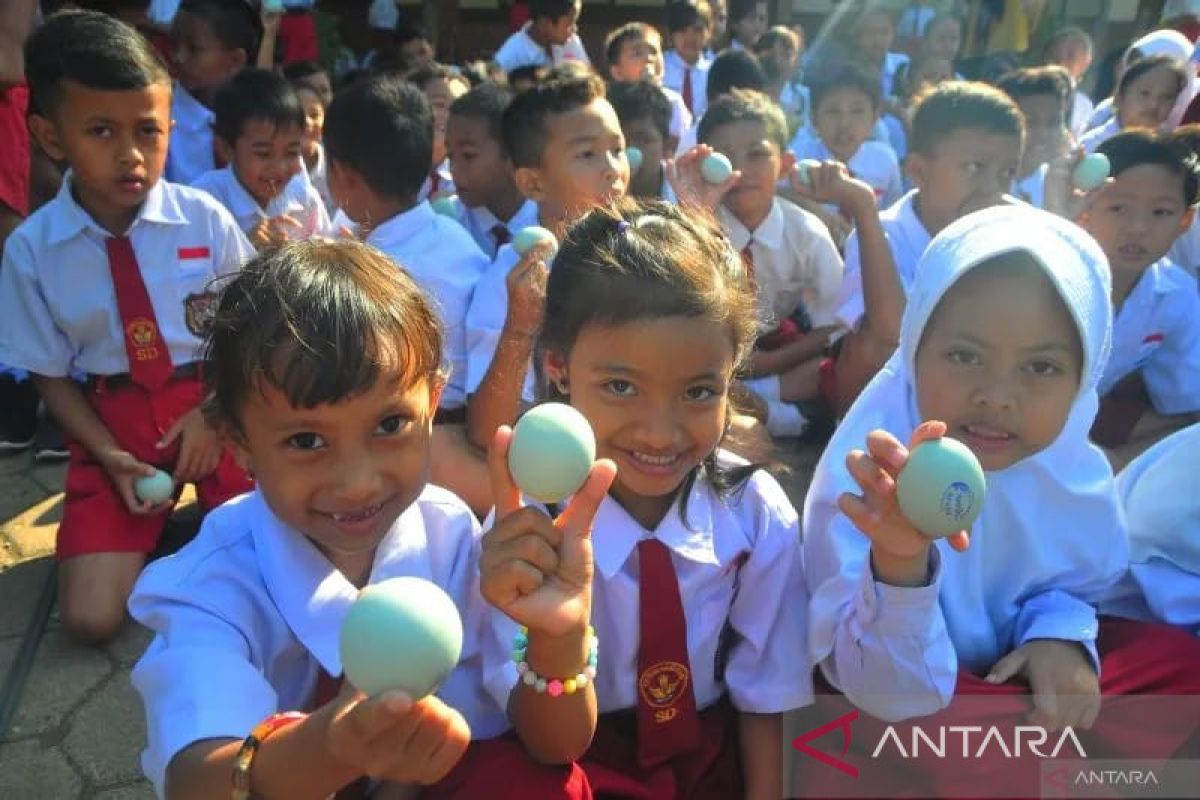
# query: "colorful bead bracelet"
[[554, 686]]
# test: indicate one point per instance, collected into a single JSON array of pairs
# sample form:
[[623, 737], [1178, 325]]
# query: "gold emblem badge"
[[661, 685], [199, 312], [143, 334]]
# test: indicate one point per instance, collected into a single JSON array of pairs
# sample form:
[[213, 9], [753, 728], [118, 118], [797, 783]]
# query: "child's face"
[[482, 172], [583, 165], [202, 63], [943, 41], [440, 95], [874, 37], [645, 135], [314, 115], [655, 392], [115, 143], [1045, 129], [749, 28], [416, 54], [1072, 55], [750, 148], [1147, 101], [1000, 362], [340, 474], [930, 72], [780, 60], [968, 170], [265, 157], [319, 83], [720, 18], [690, 42], [844, 120], [639, 59], [564, 27], [1138, 217]]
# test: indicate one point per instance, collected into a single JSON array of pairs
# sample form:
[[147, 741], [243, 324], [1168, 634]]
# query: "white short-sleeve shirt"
[[298, 200], [874, 162], [737, 560], [1097, 136], [247, 613], [1185, 253], [1032, 188], [1157, 330], [485, 321], [190, 153], [58, 309], [674, 70], [520, 50], [480, 222], [681, 118]]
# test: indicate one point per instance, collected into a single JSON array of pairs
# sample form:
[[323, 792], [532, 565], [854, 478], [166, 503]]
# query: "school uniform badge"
[[199, 311], [661, 685]]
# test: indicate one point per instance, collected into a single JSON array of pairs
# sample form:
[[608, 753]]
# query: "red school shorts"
[[95, 519]]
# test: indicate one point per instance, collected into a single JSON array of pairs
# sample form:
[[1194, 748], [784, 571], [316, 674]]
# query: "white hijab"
[[1051, 522], [1162, 42]]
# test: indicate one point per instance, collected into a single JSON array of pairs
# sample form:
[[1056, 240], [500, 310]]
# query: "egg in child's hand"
[[942, 487], [1091, 172], [443, 206], [716, 168], [156, 488], [635, 157], [401, 634], [530, 237], [802, 170], [551, 452]]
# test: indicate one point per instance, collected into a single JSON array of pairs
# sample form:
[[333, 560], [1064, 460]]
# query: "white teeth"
[[357, 516], [659, 461]]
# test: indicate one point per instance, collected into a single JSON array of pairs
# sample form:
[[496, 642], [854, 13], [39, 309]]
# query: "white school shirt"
[[298, 200], [1081, 110], [874, 162], [907, 237], [485, 321], [738, 563], [446, 262], [796, 263], [520, 50], [1032, 188], [681, 118], [795, 100], [1157, 331], [1097, 136], [319, 177], [1185, 253], [246, 614], [479, 222], [674, 68], [190, 153], [445, 187], [689, 139], [58, 309]]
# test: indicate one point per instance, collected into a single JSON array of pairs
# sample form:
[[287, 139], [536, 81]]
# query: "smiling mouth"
[[357, 515], [987, 437]]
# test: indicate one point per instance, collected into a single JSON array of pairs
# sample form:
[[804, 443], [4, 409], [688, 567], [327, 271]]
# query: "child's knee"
[[92, 592], [89, 622]]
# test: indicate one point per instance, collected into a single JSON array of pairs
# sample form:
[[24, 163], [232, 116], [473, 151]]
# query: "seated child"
[[259, 128], [1002, 347], [685, 66], [778, 51], [212, 40], [645, 116], [1145, 95], [311, 150], [414, 50], [549, 37], [324, 367], [942, 39], [697, 592], [732, 69], [1042, 94], [312, 75], [1156, 327], [845, 107], [1071, 48], [441, 86], [634, 53], [915, 78], [489, 203], [112, 278], [873, 34], [379, 139], [1162, 42], [747, 21]]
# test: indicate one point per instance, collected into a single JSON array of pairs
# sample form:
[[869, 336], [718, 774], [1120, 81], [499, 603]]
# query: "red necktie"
[[435, 181], [687, 87], [748, 260], [149, 360], [666, 710], [327, 689], [501, 235]]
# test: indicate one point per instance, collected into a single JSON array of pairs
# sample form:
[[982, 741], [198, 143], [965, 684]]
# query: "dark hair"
[[552, 9], [233, 22], [407, 32], [734, 69], [1031, 81], [740, 9], [641, 100], [300, 70], [619, 37], [1137, 147], [91, 49], [255, 94], [317, 320], [949, 107], [437, 72], [682, 15], [534, 73], [382, 128], [744, 105], [526, 120], [1188, 136], [774, 35], [1144, 65], [487, 102], [848, 76], [650, 260]]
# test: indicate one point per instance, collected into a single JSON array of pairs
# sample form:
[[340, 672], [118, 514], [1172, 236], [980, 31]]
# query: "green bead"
[[942, 487]]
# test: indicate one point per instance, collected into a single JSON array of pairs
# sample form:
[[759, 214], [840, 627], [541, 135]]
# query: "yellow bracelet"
[[245, 756]]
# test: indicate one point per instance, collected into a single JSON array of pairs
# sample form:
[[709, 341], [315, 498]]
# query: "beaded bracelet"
[[554, 686]]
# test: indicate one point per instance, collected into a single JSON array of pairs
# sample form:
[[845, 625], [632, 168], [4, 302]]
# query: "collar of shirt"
[[769, 233], [620, 533], [402, 227], [904, 215], [526, 215], [190, 114], [158, 207], [673, 59], [483, 218]]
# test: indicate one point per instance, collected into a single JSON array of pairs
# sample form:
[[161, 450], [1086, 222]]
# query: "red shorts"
[[298, 38], [95, 519], [14, 155]]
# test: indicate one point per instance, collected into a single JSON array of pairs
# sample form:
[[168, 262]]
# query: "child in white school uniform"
[[696, 593], [311, 149], [1003, 342], [112, 278], [213, 40], [1146, 92], [548, 39], [634, 53], [645, 117], [441, 86], [259, 128], [685, 65], [872, 37], [747, 22], [324, 367], [1042, 94]]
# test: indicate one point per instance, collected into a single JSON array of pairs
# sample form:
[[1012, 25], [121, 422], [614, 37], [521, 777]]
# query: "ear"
[[529, 181], [224, 149], [917, 169], [46, 134], [237, 60], [555, 367], [1186, 220]]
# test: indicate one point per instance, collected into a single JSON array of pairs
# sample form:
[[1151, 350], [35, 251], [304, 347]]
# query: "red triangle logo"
[[842, 723]]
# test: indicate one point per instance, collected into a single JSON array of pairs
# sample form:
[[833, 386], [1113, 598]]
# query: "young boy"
[[874, 33], [113, 278], [732, 69], [548, 39], [634, 53], [213, 40], [489, 204], [442, 86], [685, 66], [414, 51], [312, 152], [1156, 326], [1071, 48], [259, 130], [645, 116], [845, 107], [312, 75], [747, 22], [1042, 94], [778, 50], [379, 139]]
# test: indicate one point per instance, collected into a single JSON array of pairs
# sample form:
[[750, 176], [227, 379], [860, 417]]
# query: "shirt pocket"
[[196, 288]]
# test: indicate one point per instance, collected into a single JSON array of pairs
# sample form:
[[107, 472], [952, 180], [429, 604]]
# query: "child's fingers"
[[926, 431], [858, 512], [959, 542], [879, 488], [537, 549], [887, 451], [1008, 667], [505, 494], [364, 719], [287, 221], [577, 518], [1091, 711]]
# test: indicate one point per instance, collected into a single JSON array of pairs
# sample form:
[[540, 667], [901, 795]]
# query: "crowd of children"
[[308, 302]]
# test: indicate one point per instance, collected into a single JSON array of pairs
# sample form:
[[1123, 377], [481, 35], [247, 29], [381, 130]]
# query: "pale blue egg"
[[444, 206], [942, 487], [156, 488], [634, 154], [401, 634], [530, 237], [1091, 172], [716, 168], [552, 451]]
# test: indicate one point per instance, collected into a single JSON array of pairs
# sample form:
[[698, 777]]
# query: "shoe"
[[18, 415], [49, 444]]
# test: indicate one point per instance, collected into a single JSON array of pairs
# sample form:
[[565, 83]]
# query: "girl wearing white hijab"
[[1164, 42], [1003, 341]]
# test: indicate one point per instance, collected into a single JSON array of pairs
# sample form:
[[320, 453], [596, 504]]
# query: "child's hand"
[[200, 449], [1066, 689], [831, 183], [684, 175], [526, 283], [123, 469], [270, 21], [392, 738], [899, 552], [1062, 197], [274, 231], [536, 570]]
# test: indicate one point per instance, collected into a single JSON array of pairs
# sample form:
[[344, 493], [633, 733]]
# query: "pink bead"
[[554, 688]]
